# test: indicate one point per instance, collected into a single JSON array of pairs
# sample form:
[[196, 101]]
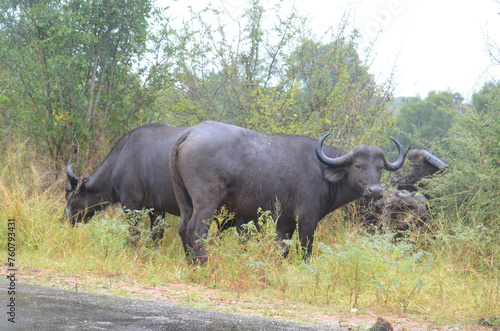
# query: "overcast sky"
[[434, 45]]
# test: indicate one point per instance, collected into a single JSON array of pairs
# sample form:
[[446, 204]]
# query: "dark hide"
[[214, 164], [135, 173], [398, 210], [402, 210]]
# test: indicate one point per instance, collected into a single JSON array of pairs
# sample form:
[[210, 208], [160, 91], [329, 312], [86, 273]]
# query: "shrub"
[[470, 190]]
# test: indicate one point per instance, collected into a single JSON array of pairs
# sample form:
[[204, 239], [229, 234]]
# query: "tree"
[[230, 76], [481, 100], [428, 119], [337, 88], [278, 79], [470, 188], [71, 71]]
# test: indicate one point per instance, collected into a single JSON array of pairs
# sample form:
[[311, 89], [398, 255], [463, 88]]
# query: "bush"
[[466, 200], [470, 190]]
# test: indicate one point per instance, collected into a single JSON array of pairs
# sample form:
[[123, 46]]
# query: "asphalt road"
[[45, 308]]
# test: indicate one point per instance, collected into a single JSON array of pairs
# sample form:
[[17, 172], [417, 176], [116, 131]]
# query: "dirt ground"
[[219, 300]]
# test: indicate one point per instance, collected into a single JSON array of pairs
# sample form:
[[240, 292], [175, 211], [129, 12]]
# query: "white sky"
[[434, 44]]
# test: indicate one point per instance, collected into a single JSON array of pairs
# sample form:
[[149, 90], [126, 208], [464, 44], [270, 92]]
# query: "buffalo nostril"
[[374, 190]]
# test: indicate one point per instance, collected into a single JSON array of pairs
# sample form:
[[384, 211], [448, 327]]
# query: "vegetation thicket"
[[76, 75]]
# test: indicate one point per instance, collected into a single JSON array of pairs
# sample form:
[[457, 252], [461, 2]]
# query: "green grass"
[[447, 273]]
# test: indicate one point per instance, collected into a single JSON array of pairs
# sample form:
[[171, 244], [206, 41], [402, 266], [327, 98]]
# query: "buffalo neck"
[[99, 183], [341, 193]]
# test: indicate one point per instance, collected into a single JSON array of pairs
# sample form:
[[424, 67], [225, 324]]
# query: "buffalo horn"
[[333, 162], [434, 160], [71, 176], [399, 162]]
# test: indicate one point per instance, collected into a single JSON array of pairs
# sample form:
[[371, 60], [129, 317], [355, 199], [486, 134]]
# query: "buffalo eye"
[[358, 166]]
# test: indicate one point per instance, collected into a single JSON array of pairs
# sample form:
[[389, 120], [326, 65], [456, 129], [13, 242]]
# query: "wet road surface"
[[45, 308]]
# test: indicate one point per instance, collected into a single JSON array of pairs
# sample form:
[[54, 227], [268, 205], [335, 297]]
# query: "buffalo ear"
[[333, 174]]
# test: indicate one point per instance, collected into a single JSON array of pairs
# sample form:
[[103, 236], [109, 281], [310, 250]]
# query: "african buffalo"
[[133, 173], [421, 164], [401, 210], [397, 210], [214, 164]]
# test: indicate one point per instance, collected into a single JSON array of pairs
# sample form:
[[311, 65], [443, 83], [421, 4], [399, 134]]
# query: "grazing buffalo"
[[398, 210], [133, 173], [214, 165], [401, 210], [421, 164]]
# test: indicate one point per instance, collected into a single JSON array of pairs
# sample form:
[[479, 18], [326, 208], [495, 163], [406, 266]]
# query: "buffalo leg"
[[306, 236], [186, 214], [197, 230], [156, 227], [185, 205], [196, 233], [282, 234]]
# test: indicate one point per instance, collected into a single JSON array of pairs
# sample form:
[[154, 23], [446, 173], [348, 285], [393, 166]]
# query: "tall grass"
[[448, 272]]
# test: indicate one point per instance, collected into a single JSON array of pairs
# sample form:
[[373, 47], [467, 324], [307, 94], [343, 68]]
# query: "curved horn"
[[333, 162], [399, 162], [73, 180], [434, 160]]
